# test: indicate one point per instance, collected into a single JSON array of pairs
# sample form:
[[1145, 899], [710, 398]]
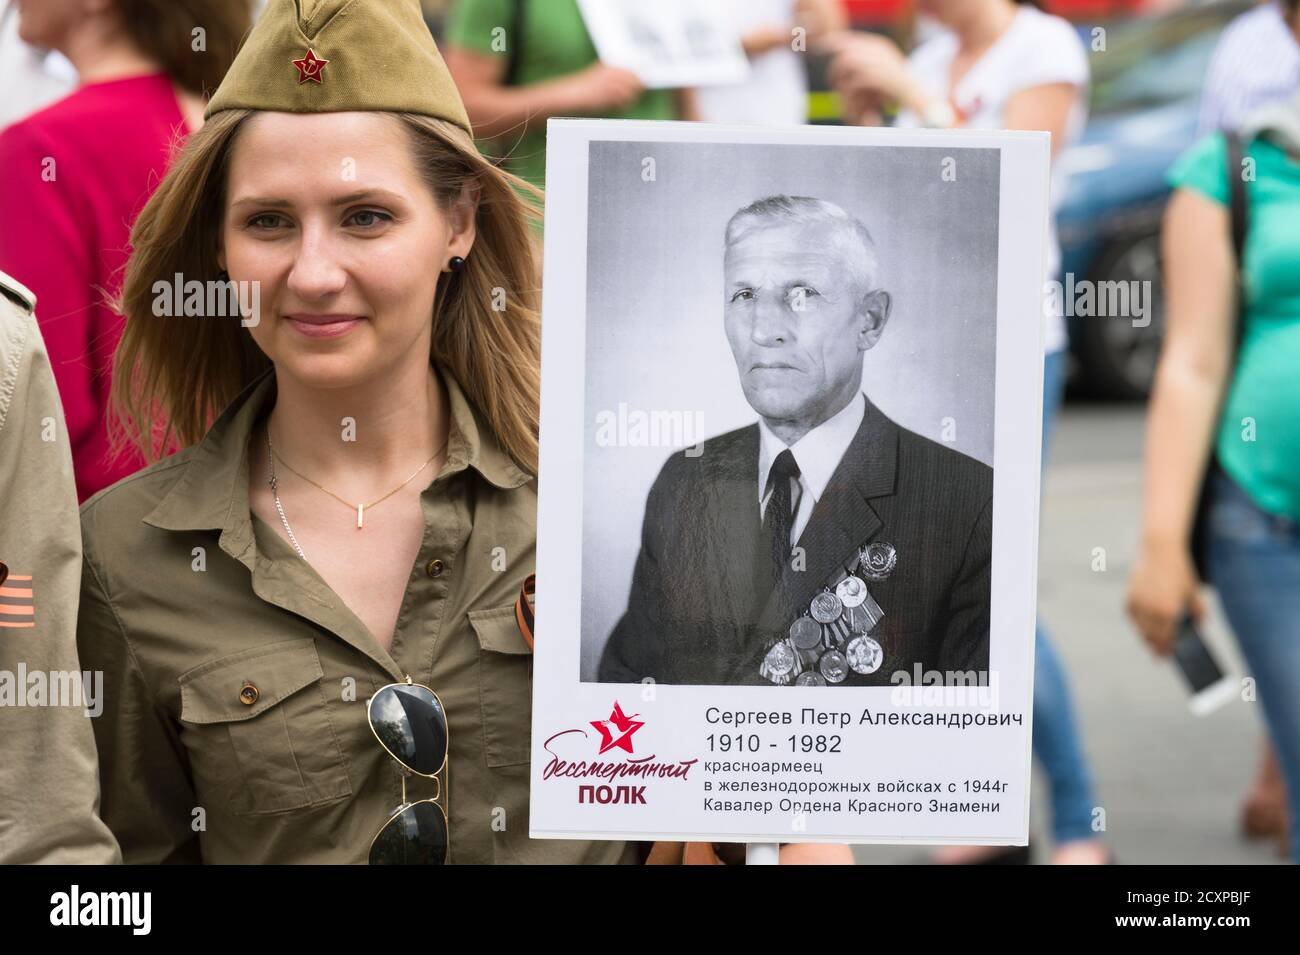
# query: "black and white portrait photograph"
[[823, 345], [827, 528]]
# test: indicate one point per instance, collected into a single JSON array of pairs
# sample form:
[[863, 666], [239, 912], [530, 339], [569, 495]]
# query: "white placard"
[[872, 301], [669, 43]]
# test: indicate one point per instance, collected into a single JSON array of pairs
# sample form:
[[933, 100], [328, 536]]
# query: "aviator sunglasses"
[[409, 721]]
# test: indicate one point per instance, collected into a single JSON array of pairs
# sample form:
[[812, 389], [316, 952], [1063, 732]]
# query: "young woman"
[[306, 618], [999, 65], [361, 515], [1241, 402], [73, 177]]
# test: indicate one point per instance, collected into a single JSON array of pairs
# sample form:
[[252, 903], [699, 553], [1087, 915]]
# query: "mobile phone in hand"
[[1211, 688]]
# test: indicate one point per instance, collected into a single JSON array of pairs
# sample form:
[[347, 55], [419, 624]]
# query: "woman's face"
[[329, 214]]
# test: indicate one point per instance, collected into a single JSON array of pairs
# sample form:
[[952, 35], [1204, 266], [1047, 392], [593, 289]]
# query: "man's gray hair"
[[855, 241]]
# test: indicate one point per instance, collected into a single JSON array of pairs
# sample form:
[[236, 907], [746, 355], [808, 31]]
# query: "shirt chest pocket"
[[505, 670], [257, 727]]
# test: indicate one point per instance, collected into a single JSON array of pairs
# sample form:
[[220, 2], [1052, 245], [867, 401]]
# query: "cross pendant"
[[360, 509]]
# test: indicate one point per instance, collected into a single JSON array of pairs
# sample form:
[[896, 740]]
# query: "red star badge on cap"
[[617, 730], [310, 67]]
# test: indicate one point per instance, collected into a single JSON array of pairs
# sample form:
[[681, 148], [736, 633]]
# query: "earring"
[[456, 263]]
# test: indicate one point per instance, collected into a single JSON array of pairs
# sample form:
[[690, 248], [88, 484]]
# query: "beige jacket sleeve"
[[148, 800], [49, 784]]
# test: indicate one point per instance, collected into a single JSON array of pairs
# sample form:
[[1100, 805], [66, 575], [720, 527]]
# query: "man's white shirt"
[[817, 453]]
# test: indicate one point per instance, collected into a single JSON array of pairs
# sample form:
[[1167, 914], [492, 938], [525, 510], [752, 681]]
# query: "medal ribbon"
[[524, 608]]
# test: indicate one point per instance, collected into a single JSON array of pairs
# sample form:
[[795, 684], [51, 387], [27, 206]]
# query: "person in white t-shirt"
[[774, 34], [998, 64]]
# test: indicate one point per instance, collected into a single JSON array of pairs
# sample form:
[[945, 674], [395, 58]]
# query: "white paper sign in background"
[[668, 43]]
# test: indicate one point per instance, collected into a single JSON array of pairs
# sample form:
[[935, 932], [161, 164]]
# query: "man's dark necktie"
[[779, 516]]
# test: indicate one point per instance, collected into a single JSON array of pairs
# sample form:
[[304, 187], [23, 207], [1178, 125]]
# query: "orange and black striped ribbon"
[[17, 607], [524, 608]]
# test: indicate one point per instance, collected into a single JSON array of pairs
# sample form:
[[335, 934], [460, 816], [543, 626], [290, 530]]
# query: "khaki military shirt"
[[49, 788], [187, 597]]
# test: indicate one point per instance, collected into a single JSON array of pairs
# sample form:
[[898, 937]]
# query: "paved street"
[[1170, 782]]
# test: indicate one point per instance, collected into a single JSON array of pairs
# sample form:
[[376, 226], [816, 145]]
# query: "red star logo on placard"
[[617, 730], [310, 67]]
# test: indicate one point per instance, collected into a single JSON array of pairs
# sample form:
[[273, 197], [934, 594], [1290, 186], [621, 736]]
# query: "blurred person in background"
[[1240, 402], [549, 68], [76, 173], [1256, 63], [776, 90], [999, 65]]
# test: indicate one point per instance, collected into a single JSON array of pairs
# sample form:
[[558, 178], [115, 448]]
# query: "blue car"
[[1146, 89]]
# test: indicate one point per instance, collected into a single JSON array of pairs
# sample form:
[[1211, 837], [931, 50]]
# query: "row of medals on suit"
[[832, 636]]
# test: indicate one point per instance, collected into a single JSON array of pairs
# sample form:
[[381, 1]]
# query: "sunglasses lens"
[[409, 721], [415, 836]]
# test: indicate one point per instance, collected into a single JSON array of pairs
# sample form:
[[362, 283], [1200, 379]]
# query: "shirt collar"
[[212, 492], [818, 453]]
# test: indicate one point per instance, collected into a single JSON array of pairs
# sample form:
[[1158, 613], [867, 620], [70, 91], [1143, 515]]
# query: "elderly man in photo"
[[823, 545]]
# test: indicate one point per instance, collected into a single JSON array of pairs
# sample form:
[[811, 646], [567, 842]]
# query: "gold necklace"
[[359, 508]]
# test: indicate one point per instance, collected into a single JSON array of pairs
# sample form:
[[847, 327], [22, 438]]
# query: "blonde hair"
[[172, 378]]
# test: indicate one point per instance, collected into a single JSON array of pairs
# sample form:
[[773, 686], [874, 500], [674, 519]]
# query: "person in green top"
[[1242, 402], [1263, 399], [519, 62]]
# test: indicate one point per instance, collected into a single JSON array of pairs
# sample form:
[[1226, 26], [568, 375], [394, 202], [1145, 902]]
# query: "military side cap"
[[330, 56]]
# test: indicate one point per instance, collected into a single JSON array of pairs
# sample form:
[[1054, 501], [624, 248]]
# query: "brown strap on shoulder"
[[524, 608]]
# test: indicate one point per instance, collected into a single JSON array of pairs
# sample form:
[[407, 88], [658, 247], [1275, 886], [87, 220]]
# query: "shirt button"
[[434, 568], [249, 694]]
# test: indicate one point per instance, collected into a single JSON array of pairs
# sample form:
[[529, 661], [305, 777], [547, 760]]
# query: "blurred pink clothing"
[[73, 177]]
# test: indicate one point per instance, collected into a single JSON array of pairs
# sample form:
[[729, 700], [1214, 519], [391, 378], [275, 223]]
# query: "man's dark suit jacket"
[[696, 615]]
